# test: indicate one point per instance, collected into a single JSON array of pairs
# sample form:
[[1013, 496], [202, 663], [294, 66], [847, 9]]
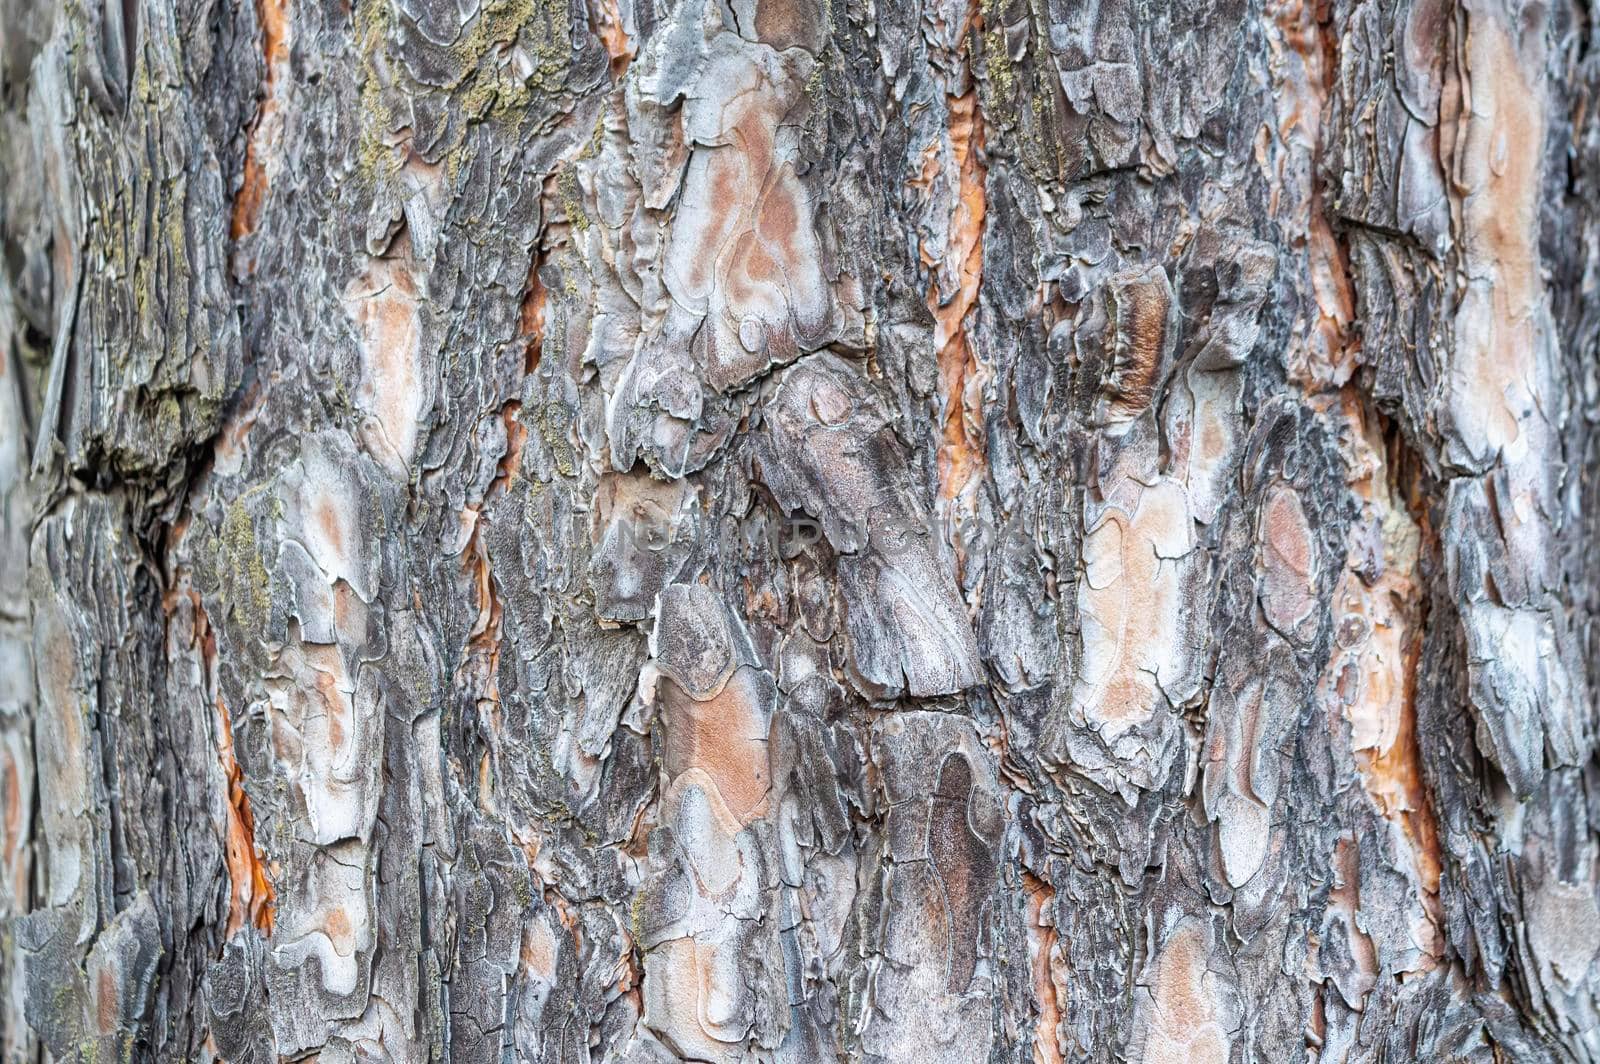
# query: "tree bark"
[[640, 530]]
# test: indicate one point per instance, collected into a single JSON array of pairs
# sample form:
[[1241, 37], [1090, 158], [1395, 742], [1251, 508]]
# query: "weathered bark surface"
[[637, 530]]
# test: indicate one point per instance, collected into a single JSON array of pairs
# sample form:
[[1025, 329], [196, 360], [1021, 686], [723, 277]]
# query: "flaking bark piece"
[[1143, 322]]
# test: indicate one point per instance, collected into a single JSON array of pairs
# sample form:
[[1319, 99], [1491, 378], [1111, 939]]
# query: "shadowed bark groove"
[[650, 530]]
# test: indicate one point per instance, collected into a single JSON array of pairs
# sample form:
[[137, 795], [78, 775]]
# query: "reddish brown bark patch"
[[274, 18], [1042, 938], [614, 37], [250, 891], [725, 736], [961, 454]]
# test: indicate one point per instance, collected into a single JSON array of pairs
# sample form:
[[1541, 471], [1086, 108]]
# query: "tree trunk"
[[636, 530]]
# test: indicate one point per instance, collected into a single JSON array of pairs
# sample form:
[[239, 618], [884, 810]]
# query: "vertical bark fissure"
[[259, 161]]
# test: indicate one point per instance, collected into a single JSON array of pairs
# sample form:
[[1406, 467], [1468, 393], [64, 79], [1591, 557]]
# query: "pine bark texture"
[[927, 530]]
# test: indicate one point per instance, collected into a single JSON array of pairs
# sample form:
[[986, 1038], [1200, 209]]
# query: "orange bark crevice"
[[1371, 678], [961, 455], [511, 461], [531, 321], [1369, 685], [274, 18], [479, 671], [1327, 357], [614, 36], [1398, 770], [251, 895], [483, 641], [1395, 782], [1042, 938]]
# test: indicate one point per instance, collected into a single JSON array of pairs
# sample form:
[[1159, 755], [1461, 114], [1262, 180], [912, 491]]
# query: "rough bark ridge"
[[638, 530]]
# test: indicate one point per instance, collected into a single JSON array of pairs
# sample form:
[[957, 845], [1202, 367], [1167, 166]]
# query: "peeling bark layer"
[[647, 530]]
